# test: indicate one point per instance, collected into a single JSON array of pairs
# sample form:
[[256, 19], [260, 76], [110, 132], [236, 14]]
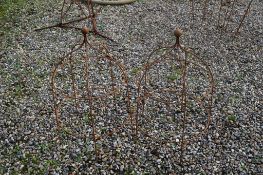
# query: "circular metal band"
[[113, 2]]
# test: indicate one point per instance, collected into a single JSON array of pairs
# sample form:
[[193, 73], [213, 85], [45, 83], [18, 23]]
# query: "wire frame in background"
[[87, 13]]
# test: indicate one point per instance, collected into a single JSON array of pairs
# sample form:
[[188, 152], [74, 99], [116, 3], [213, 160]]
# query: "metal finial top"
[[178, 32], [85, 30]]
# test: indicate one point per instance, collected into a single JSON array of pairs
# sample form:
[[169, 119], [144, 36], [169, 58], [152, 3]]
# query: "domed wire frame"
[[174, 83], [85, 82]]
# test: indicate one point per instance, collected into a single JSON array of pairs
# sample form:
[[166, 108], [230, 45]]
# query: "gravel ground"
[[29, 141]]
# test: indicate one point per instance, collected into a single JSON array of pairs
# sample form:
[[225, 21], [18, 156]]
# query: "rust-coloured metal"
[[91, 16], [83, 90], [227, 15], [243, 18], [180, 56]]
